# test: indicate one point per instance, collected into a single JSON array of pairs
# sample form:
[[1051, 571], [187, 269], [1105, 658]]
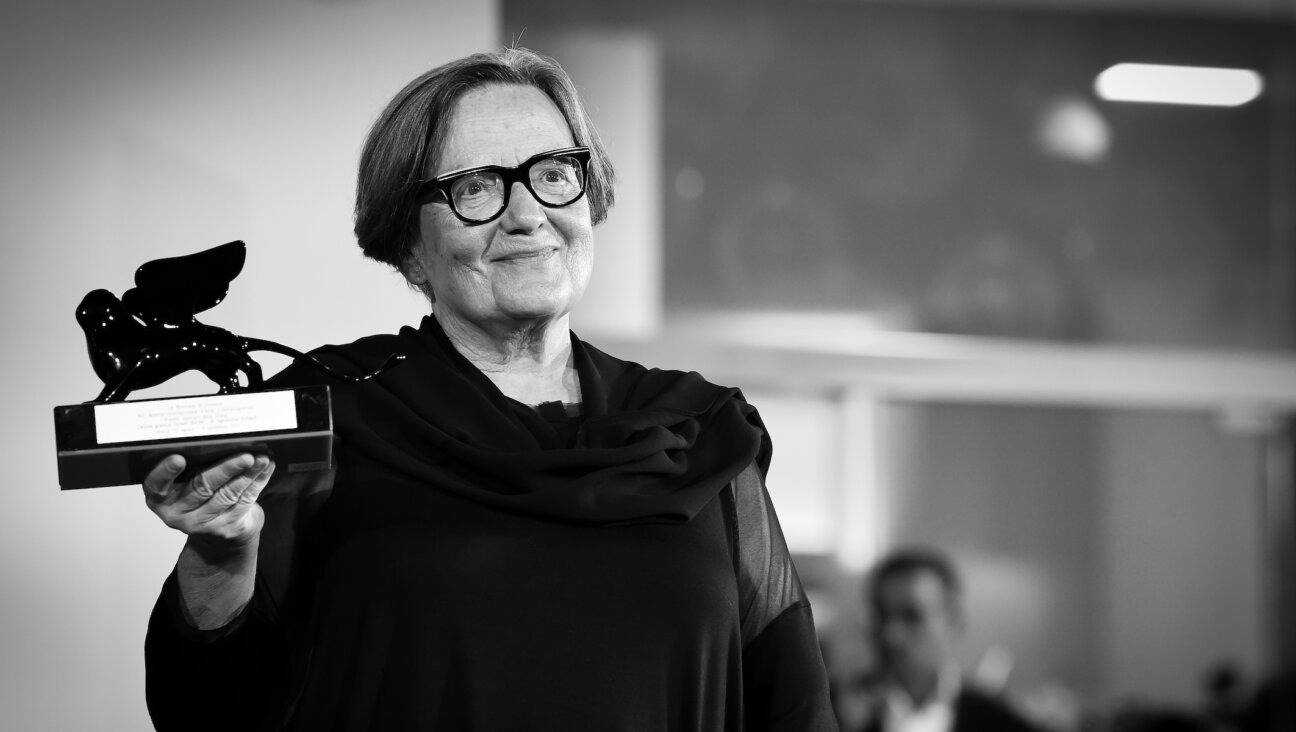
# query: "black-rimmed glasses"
[[479, 195]]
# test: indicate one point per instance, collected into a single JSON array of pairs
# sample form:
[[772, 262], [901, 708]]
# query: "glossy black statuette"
[[151, 335]]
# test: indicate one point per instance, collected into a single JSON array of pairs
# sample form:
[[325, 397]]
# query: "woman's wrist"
[[215, 583], [221, 552]]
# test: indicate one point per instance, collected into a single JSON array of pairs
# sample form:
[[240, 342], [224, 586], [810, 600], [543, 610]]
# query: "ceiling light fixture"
[[1158, 83]]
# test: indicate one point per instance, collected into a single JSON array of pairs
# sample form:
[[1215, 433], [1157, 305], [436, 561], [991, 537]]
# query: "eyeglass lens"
[[556, 180]]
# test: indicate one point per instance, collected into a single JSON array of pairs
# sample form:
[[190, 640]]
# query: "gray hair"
[[408, 135]]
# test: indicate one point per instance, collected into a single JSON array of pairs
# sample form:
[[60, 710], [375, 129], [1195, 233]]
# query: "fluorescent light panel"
[[1200, 85]]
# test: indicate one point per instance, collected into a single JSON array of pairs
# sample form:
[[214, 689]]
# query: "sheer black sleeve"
[[239, 676], [785, 686]]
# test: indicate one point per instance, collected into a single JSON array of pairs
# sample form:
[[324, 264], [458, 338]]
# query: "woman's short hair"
[[406, 139]]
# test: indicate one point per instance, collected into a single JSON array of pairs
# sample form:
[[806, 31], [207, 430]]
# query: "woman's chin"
[[533, 310], [533, 303]]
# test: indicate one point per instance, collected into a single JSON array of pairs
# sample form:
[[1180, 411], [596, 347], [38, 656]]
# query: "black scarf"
[[655, 445]]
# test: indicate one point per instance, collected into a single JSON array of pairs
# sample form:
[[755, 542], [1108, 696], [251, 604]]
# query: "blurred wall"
[[947, 167], [1115, 554], [138, 129], [619, 77], [1181, 553]]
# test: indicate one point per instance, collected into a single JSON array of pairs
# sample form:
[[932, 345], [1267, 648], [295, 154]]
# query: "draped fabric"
[[468, 565], [655, 445]]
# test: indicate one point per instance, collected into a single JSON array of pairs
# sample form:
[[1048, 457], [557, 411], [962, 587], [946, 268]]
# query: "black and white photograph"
[[618, 366]]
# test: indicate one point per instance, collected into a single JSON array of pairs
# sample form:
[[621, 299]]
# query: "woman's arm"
[[219, 622], [214, 589], [785, 686], [218, 511]]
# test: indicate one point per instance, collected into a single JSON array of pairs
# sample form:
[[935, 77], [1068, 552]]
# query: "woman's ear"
[[413, 271], [414, 275], [417, 277]]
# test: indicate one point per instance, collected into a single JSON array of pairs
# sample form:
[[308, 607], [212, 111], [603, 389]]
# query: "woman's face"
[[533, 262]]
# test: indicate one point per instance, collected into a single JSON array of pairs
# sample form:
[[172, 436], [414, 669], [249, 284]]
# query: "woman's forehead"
[[501, 125]]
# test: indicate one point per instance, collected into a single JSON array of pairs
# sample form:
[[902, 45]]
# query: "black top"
[[475, 564]]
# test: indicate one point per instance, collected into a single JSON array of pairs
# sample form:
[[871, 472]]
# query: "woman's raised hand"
[[217, 508]]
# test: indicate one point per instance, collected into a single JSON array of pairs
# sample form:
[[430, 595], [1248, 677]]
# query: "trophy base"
[[118, 443]]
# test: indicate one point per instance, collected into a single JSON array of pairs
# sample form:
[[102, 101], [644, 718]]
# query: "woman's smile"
[[524, 255]]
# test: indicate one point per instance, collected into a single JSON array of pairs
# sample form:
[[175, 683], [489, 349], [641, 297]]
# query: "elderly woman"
[[519, 531]]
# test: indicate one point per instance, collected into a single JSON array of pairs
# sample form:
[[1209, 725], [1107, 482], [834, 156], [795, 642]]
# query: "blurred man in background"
[[915, 596]]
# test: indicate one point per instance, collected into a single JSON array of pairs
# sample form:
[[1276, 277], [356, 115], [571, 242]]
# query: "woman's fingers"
[[205, 486], [231, 493], [258, 484], [158, 484], [220, 501]]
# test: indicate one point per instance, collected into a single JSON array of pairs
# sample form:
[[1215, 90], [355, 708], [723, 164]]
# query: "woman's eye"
[[471, 188], [557, 173]]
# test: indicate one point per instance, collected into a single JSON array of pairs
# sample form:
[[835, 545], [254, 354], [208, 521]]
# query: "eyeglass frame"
[[437, 190]]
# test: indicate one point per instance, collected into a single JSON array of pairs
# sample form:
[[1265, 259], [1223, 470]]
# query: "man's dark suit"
[[976, 711]]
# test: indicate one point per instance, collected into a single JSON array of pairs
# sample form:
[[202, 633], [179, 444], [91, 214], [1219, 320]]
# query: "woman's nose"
[[523, 212]]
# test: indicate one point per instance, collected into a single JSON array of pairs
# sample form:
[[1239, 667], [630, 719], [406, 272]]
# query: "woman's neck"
[[531, 363]]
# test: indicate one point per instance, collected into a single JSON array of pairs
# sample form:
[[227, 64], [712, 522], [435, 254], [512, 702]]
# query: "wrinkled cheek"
[[580, 268]]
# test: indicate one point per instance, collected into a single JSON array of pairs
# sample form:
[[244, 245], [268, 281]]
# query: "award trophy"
[[149, 336]]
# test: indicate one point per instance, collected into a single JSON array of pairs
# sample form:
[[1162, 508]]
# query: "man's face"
[[915, 624]]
